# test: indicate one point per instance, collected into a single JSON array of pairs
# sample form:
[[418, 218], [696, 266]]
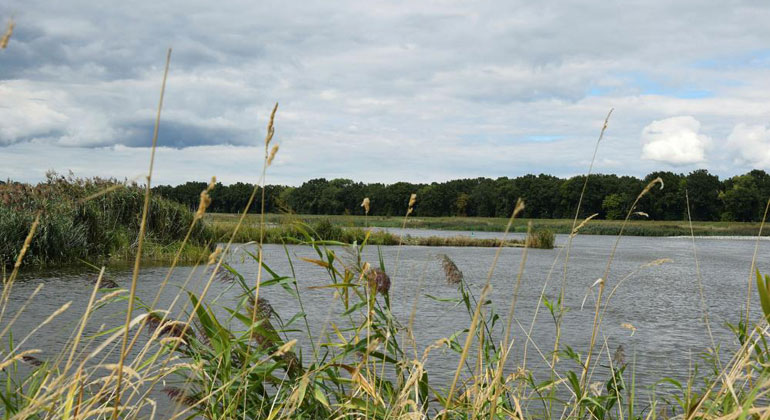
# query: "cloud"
[[675, 141], [418, 85], [751, 144]]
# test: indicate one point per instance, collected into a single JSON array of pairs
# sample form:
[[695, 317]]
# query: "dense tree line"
[[740, 198]]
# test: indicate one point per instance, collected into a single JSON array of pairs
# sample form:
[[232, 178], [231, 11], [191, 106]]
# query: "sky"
[[384, 91]]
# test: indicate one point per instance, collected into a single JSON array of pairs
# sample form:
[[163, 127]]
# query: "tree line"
[[739, 198]]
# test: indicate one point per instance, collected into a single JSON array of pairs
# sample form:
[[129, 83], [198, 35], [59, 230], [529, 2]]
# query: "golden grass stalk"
[[699, 278], [205, 201], [585, 221], [83, 322], [142, 229], [268, 138], [476, 314], [365, 205], [574, 231], [220, 258], [7, 35], [506, 347], [606, 275], [18, 357], [9, 282], [754, 261], [273, 152], [630, 327]]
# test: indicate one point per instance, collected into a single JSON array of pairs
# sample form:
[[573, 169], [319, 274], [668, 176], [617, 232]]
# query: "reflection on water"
[[662, 302]]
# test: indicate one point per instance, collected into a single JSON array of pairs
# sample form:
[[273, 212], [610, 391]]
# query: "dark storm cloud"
[[178, 135]]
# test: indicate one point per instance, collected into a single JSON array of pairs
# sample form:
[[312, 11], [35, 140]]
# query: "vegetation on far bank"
[[739, 198], [290, 229], [637, 226], [97, 221]]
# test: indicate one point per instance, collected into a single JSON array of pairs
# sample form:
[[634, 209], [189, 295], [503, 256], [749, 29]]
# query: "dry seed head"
[[629, 327], [596, 388], [365, 205], [659, 261], [264, 309], [214, 255], [180, 396], [452, 274], [519, 207], [273, 152], [378, 281], [7, 36], [203, 205], [620, 356], [270, 126], [412, 200], [286, 347], [650, 185], [583, 223]]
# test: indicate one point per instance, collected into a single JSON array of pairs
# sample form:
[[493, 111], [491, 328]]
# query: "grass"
[[291, 230], [92, 220], [242, 361], [637, 226]]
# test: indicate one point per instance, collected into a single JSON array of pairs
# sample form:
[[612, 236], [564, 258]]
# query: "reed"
[[80, 222]]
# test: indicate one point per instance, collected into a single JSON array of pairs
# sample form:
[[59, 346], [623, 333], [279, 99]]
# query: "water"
[[662, 302]]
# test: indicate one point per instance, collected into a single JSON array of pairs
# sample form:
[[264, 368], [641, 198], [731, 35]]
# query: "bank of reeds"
[[292, 230], [95, 220], [637, 226]]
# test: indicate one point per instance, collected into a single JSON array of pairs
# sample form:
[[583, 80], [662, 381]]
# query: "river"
[[662, 302]]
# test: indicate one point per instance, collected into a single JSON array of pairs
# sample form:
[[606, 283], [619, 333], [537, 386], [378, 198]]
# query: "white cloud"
[[751, 144], [675, 140], [418, 85]]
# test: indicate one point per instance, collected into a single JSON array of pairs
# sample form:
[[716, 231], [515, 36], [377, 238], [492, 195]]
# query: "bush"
[[541, 239]]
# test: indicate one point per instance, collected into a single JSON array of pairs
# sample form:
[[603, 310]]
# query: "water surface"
[[662, 302]]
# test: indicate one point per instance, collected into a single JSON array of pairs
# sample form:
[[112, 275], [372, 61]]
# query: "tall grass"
[[79, 221], [292, 231], [637, 226]]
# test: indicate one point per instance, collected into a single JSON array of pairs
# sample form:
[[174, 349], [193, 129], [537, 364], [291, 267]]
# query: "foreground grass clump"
[[91, 219]]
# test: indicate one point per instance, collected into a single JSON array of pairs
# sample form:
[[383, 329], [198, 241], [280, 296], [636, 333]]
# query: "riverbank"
[[296, 231], [635, 227]]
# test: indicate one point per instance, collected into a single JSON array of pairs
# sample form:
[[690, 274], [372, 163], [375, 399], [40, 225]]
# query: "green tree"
[[614, 207], [742, 200], [703, 190]]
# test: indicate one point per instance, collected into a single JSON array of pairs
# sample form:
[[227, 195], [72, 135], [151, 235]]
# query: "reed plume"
[[378, 280], [180, 396], [452, 274], [205, 198]]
